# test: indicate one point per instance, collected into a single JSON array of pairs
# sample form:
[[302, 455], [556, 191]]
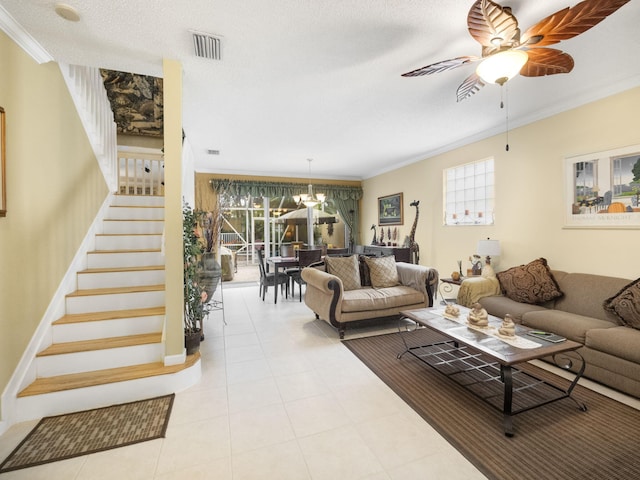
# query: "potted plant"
[[211, 271], [195, 297]]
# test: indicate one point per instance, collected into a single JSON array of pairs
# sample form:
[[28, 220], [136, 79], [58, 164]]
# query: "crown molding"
[[24, 40]]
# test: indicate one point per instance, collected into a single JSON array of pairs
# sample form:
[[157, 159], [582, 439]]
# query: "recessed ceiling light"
[[67, 12]]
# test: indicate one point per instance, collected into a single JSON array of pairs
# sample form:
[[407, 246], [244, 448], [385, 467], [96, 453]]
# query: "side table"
[[446, 287]]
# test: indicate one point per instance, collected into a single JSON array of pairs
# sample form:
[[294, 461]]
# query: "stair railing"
[[140, 171], [90, 98]]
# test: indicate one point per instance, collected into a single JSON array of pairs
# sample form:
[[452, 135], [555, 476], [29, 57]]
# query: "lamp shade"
[[503, 66], [489, 247]]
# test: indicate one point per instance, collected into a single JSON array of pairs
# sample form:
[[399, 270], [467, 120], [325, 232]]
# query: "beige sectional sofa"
[[600, 312], [356, 288]]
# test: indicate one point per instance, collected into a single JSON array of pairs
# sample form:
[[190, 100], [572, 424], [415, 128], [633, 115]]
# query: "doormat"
[[74, 434]]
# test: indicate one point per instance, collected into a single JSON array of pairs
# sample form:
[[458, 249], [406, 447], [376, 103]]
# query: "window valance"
[[256, 188]]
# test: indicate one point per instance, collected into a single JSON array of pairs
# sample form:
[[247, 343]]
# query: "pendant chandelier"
[[309, 199]]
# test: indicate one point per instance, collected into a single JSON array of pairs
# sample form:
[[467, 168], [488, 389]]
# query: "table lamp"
[[488, 247]]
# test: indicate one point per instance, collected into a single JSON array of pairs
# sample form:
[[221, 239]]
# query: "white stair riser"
[[53, 365], [138, 200], [117, 301], [89, 281], [135, 213], [124, 259], [133, 226], [77, 332], [128, 242]]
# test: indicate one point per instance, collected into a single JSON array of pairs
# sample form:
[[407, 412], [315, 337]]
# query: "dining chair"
[[268, 279], [306, 257]]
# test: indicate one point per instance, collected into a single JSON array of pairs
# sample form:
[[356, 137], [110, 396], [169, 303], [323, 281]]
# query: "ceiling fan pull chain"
[[506, 111]]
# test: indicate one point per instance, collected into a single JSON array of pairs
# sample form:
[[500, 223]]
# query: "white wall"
[[529, 195]]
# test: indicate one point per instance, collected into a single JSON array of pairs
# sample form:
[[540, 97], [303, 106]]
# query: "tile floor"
[[280, 398]]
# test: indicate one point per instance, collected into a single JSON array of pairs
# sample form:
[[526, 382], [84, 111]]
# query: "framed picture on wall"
[[390, 210], [3, 172], [602, 189]]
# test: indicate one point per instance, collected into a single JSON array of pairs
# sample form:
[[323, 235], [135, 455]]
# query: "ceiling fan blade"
[[493, 26], [546, 61], [570, 21], [472, 84], [441, 66]]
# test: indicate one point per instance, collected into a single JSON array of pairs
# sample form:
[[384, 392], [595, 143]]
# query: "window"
[[469, 194]]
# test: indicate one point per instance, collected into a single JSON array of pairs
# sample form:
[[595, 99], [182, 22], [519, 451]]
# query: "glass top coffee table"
[[484, 362]]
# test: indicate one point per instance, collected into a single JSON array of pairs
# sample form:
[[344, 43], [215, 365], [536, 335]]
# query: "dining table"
[[279, 263]]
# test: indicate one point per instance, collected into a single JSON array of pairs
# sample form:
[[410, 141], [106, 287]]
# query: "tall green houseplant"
[[194, 294]]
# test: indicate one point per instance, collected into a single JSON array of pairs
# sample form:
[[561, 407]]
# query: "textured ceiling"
[[321, 79]]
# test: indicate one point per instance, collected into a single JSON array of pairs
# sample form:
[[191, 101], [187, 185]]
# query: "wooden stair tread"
[[108, 315], [116, 290], [128, 234], [136, 206], [122, 269], [129, 250], [101, 377], [131, 220], [101, 344]]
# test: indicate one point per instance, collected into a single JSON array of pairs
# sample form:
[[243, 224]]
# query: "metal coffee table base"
[[509, 389]]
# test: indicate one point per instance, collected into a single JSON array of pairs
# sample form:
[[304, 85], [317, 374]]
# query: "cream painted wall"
[[174, 266], [529, 195], [54, 191]]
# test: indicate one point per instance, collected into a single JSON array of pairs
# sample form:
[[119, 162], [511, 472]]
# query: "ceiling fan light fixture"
[[502, 66]]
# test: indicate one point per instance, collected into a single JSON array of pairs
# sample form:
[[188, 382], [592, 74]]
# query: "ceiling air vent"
[[207, 45]]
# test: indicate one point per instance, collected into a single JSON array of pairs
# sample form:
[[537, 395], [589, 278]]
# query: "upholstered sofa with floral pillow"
[[356, 288], [600, 312]]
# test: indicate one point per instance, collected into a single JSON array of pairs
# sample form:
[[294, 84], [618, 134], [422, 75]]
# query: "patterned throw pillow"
[[626, 304], [383, 271], [345, 268], [532, 283]]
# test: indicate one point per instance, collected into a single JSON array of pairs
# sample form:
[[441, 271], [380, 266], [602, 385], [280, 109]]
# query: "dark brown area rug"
[[74, 434], [556, 441]]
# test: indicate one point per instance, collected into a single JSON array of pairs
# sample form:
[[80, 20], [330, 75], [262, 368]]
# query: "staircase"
[[108, 348]]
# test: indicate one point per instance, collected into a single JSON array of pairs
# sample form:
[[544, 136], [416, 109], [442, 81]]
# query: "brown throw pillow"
[[383, 271], [532, 283], [626, 304], [346, 269]]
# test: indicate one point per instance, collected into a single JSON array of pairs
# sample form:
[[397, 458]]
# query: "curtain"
[[350, 213], [345, 198], [256, 188]]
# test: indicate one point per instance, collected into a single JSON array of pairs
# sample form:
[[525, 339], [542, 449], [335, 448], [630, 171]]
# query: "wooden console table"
[[402, 254]]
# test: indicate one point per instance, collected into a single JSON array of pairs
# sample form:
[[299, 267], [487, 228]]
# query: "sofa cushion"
[[532, 283], [585, 293], [619, 341], [372, 299], [626, 304], [383, 271], [346, 269], [569, 325], [499, 306]]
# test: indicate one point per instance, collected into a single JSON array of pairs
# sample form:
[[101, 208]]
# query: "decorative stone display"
[[478, 316], [508, 328]]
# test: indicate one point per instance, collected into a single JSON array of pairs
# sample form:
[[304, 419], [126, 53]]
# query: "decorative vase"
[[192, 341], [209, 274]]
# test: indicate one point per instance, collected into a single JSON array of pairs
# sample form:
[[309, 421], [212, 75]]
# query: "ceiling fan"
[[505, 52]]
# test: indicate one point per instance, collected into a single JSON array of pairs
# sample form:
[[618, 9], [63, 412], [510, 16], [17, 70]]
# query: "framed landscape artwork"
[[602, 189], [390, 210], [3, 172]]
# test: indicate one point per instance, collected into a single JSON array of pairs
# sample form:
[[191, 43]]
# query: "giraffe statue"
[[375, 235], [414, 248]]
